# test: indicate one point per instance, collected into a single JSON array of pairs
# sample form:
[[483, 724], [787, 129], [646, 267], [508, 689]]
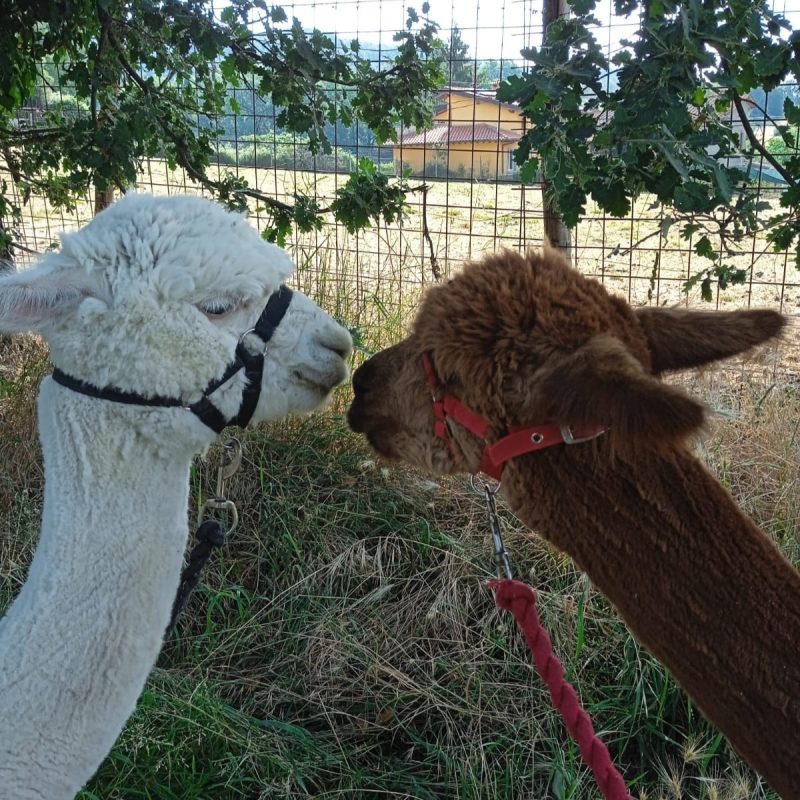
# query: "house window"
[[511, 165]]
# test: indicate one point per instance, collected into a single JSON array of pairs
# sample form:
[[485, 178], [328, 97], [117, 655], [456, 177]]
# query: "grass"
[[372, 281], [467, 219], [343, 645]]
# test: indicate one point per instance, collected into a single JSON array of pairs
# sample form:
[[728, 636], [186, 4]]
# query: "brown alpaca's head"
[[525, 340]]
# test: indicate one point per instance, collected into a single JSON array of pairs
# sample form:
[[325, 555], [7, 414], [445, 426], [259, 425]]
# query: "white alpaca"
[[149, 298]]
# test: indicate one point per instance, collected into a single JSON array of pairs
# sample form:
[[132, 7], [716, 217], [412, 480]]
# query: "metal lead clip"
[[233, 451], [500, 553], [501, 558], [220, 503], [227, 507]]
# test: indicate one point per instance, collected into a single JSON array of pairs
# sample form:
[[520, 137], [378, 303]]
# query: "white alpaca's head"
[[149, 307], [152, 297]]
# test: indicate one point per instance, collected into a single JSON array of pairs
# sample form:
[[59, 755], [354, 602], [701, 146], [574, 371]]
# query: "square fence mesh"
[[468, 200]]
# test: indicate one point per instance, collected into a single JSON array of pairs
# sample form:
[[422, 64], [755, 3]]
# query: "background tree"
[[667, 127], [90, 90], [491, 70], [459, 67], [556, 231]]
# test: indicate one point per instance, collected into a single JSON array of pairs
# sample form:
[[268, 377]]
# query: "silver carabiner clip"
[[233, 452], [501, 558], [219, 504], [226, 507]]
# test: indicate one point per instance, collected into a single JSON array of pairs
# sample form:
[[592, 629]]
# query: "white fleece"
[[119, 306]]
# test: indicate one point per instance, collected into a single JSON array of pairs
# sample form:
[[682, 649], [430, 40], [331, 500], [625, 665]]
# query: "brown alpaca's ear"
[[602, 383], [680, 339]]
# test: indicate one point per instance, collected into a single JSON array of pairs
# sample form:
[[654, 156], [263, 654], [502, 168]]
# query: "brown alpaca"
[[528, 340]]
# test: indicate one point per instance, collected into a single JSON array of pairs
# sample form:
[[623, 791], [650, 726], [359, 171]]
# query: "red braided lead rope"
[[520, 600]]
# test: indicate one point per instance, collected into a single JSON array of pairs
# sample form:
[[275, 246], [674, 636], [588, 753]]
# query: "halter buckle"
[[240, 343], [570, 438]]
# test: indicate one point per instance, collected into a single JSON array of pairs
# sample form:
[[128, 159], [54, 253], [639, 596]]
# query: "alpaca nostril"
[[361, 379]]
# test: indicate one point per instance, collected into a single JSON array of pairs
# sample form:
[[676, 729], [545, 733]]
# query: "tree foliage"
[[110, 83], [459, 67], [663, 127], [491, 71]]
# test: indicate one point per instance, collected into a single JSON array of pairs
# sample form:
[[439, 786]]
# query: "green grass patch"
[[343, 643], [344, 646]]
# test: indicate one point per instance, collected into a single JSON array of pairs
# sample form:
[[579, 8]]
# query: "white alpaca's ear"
[[38, 298]]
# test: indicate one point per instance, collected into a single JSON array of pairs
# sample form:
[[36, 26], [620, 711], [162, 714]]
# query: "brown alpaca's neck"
[[695, 580]]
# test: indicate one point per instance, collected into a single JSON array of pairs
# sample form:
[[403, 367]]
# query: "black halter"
[[206, 411]]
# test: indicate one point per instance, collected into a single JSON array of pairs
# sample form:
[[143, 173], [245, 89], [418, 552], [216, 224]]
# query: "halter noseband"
[[205, 410], [518, 440]]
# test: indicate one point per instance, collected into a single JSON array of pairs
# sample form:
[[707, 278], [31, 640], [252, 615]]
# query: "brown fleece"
[[672, 334], [525, 340], [696, 582]]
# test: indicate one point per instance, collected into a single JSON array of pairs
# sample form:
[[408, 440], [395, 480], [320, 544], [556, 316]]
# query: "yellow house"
[[473, 136]]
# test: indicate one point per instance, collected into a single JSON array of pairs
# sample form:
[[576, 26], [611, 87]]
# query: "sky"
[[492, 28]]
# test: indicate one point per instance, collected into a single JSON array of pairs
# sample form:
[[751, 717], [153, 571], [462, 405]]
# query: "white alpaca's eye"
[[218, 306]]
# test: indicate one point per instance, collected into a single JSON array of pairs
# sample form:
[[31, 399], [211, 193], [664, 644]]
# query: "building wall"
[[481, 160], [464, 109]]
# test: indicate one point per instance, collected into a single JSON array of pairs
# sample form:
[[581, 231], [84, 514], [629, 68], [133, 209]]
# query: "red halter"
[[518, 440]]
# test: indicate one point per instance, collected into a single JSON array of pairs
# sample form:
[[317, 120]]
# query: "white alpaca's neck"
[[80, 639]]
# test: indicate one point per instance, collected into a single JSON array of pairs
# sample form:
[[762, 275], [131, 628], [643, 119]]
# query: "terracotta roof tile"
[[460, 133], [485, 96]]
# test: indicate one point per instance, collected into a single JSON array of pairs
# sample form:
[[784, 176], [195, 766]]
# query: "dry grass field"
[[372, 281]]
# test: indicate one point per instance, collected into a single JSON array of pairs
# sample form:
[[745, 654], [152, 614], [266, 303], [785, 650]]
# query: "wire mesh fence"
[[468, 200]]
